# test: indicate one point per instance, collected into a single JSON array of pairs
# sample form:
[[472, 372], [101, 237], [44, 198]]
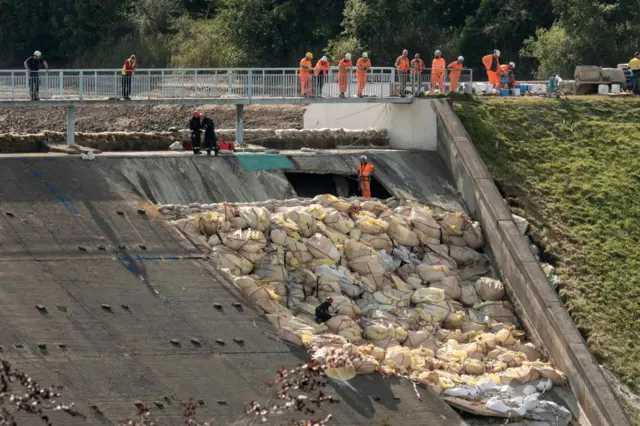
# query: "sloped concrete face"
[[129, 304], [542, 311]]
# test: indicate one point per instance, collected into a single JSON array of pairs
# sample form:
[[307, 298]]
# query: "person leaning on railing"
[[128, 70], [320, 74], [417, 69], [344, 69], [363, 65], [33, 65], [455, 68]]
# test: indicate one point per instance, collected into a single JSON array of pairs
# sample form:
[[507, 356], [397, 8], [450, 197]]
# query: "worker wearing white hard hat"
[[365, 169], [512, 65], [455, 69], [507, 78], [320, 74], [32, 65], [491, 63], [344, 68], [362, 69], [438, 67]]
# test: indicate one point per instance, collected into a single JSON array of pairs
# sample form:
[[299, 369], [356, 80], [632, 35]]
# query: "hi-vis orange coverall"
[[492, 65], [454, 74], [344, 67], [437, 74], [305, 76], [361, 74], [364, 174], [417, 68]]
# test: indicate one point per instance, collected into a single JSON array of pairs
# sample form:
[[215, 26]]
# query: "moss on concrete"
[[572, 168]]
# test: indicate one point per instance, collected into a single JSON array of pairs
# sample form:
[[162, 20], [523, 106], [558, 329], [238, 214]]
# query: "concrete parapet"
[[542, 311]]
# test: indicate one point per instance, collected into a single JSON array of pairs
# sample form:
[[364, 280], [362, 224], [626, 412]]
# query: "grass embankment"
[[572, 168]]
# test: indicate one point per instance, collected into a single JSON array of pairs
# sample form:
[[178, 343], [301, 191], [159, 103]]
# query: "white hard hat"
[[497, 52], [37, 53], [513, 64], [363, 157], [461, 58], [365, 55], [437, 52], [348, 56], [323, 59]]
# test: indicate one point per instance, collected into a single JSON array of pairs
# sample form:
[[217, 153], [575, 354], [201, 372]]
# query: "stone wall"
[[159, 141]]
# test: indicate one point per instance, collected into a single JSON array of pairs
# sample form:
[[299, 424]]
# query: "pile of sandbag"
[[412, 294]]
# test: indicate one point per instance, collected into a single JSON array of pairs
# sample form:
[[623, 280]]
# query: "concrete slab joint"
[[528, 285], [71, 125]]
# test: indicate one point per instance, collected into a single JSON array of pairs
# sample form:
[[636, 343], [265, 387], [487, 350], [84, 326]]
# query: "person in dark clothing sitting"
[[209, 134], [322, 311], [195, 125]]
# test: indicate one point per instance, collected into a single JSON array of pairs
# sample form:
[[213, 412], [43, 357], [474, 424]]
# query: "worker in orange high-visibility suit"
[[492, 65], [320, 74], [362, 68], [365, 169], [438, 67], [455, 68], [507, 77], [305, 75], [417, 69], [402, 66], [344, 69]]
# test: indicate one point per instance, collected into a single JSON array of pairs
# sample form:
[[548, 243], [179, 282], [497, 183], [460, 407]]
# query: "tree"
[[553, 50]]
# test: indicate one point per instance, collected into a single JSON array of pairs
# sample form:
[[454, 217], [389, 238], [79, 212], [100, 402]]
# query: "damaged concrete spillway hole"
[[341, 185]]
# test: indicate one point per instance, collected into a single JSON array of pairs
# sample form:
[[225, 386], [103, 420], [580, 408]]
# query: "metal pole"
[[249, 84], [239, 124], [13, 86], [71, 123], [61, 83], [95, 83], [81, 88]]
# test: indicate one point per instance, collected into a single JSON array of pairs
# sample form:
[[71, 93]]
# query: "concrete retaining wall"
[[410, 126], [541, 310]]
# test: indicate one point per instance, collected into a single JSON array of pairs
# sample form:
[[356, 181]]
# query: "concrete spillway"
[[72, 240]]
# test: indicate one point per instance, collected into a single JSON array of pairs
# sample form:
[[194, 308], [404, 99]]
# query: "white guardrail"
[[219, 83]]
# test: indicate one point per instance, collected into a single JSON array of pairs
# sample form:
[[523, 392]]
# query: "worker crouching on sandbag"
[[365, 169], [322, 311], [195, 125], [210, 141]]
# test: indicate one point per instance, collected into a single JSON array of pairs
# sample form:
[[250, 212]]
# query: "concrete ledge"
[[543, 313], [201, 101]]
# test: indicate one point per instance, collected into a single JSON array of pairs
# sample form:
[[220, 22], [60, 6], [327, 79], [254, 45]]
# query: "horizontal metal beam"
[[203, 101]]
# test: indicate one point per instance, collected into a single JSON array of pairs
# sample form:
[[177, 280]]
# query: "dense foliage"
[[542, 36]]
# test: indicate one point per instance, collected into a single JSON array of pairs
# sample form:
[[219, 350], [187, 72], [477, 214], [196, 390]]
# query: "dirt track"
[[145, 118]]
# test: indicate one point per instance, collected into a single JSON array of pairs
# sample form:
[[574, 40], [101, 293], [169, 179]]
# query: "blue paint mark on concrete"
[[173, 257]]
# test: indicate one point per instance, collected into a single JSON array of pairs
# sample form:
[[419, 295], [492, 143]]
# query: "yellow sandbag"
[[520, 375], [425, 239], [278, 221], [335, 236], [428, 295], [454, 320], [299, 250], [433, 273], [374, 206], [473, 236], [498, 311], [371, 225], [257, 218], [402, 235], [365, 365], [306, 223], [464, 256], [433, 312], [321, 247], [211, 223], [468, 294], [473, 367], [489, 289], [378, 242], [278, 236], [328, 200], [352, 334], [453, 223], [316, 211], [376, 332], [450, 286], [271, 268], [392, 217], [548, 372], [224, 258], [343, 372], [422, 220]]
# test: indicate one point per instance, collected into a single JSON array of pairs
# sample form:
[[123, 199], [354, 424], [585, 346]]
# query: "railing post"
[[81, 88], [95, 83], [239, 124], [229, 82], [249, 84], [264, 91], [13, 86], [71, 124], [392, 86], [61, 76], [284, 79], [195, 82]]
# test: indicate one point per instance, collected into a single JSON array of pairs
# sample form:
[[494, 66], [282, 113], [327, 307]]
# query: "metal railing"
[[174, 83]]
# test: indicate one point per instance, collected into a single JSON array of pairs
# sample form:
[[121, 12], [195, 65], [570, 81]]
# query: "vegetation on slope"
[[572, 168]]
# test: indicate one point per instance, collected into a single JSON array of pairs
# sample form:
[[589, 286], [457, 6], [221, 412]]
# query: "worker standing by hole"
[[438, 66], [322, 311], [365, 169], [305, 75], [209, 135], [128, 70], [195, 125], [321, 70], [455, 68], [344, 69], [492, 65], [362, 68]]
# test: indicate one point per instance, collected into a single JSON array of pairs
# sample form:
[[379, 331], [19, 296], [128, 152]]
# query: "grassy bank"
[[572, 168]]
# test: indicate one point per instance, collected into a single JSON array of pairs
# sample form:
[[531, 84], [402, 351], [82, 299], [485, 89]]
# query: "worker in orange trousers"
[[365, 169], [305, 75], [402, 66], [344, 68], [455, 68], [506, 75], [492, 65], [438, 67], [362, 68]]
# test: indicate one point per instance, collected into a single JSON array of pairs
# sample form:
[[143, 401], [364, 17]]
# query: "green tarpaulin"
[[254, 162]]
